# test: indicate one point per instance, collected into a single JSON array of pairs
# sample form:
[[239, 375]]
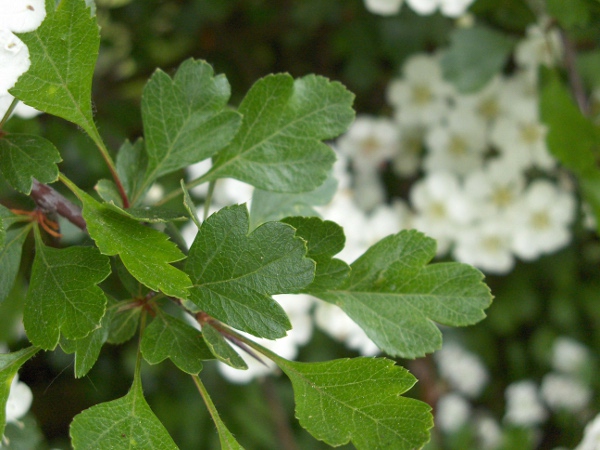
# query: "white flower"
[[369, 142], [568, 355], [523, 405], [421, 97], [452, 412], [591, 436], [487, 102], [336, 323], [541, 224], [297, 308], [487, 246], [22, 16], [384, 7], [561, 392], [542, 46], [461, 369], [488, 432], [521, 138], [14, 60], [456, 145], [19, 400], [450, 8], [441, 207]]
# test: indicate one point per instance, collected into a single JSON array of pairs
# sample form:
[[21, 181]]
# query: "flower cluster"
[[16, 16], [482, 181]]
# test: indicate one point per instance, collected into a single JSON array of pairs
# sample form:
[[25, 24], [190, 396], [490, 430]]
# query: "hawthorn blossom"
[[462, 369], [591, 435], [19, 400], [452, 412], [421, 97], [563, 392], [569, 356], [542, 46], [16, 16], [450, 8], [542, 222], [523, 404], [384, 7]]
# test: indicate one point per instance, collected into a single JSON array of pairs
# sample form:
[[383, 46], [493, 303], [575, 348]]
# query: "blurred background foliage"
[[247, 39]]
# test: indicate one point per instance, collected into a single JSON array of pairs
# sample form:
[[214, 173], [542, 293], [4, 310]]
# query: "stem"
[[9, 111], [49, 200], [207, 400], [113, 170], [178, 192]]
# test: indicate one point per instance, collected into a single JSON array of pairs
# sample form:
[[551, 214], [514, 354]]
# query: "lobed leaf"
[[131, 164], [360, 401], [63, 52], [10, 258], [145, 252], [125, 423], [168, 337], [221, 348], [184, 118], [9, 366], [27, 156], [278, 147], [63, 295], [235, 272], [397, 297]]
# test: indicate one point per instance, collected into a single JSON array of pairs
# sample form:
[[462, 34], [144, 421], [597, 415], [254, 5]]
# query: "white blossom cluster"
[[16, 16], [484, 184], [450, 8]]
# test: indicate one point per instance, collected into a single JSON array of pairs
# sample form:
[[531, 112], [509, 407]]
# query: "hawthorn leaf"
[[10, 363], [87, 349], [476, 54], [63, 52], [124, 323], [155, 214], [108, 191], [131, 165], [10, 258], [124, 423], [323, 239], [168, 337], [358, 400], [278, 147], [221, 348], [145, 252], [235, 272], [267, 206], [185, 120], [189, 205], [27, 156], [63, 295], [397, 297]]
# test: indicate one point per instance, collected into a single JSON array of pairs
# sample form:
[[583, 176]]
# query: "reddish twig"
[[51, 201]]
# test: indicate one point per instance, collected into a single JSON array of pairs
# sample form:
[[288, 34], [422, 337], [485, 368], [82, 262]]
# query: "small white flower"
[[488, 432], [336, 323], [569, 356], [561, 392], [456, 145], [452, 412], [22, 16], [369, 142], [461, 369], [421, 97], [19, 400], [523, 405], [450, 8], [542, 46], [591, 436], [486, 103], [384, 7], [14, 60], [541, 224]]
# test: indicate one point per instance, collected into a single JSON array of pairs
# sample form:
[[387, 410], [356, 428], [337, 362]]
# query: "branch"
[[52, 201]]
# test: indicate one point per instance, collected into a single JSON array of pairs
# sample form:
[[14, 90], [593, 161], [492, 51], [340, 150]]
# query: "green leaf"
[[571, 14], [63, 52], [221, 349], [9, 366], [571, 137], [145, 252], [278, 147], [475, 55], [108, 191], [324, 239], [358, 400], [396, 296], [125, 423], [27, 156], [155, 214], [131, 166], [124, 322], [235, 273], [184, 117], [268, 206], [63, 296], [10, 258], [168, 337], [188, 203]]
